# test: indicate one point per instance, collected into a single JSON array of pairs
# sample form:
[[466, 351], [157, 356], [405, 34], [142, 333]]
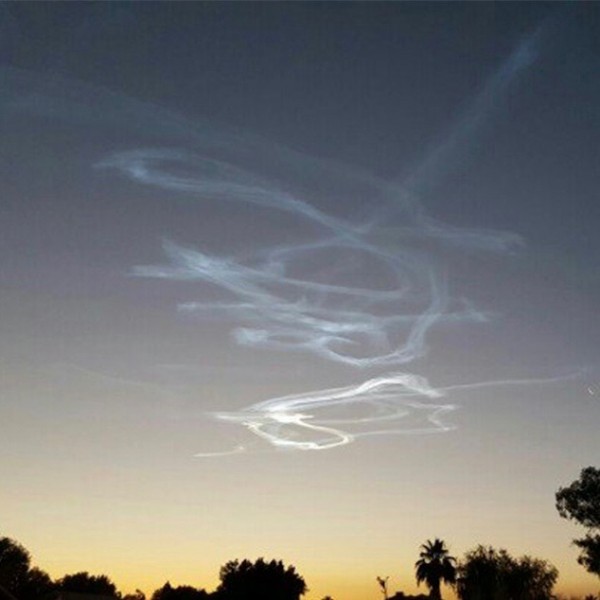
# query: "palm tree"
[[434, 566]]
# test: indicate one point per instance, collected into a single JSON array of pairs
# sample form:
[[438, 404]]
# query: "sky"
[[307, 281]]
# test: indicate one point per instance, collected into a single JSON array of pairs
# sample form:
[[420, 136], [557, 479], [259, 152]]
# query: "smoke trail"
[[397, 403], [286, 422], [360, 326], [451, 149], [274, 295]]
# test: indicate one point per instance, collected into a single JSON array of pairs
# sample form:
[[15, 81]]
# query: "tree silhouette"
[[36, 585], [490, 574], [530, 579], [14, 564], [580, 502], [435, 566], [182, 592], [480, 574], [16, 575], [84, 583], [259, 580], [137, 595]]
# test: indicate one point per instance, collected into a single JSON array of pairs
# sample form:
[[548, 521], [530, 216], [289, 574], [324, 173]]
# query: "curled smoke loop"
[[279, 303], [353, 325], [359, 326]]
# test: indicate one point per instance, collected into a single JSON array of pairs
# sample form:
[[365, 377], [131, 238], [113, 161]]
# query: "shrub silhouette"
[[84, 583], [259, 580], [490, 574]]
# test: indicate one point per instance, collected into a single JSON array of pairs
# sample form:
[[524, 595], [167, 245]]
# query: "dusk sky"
[[307, 281]]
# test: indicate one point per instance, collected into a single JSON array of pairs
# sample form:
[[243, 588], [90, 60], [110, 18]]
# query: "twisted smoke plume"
[[273, 295]]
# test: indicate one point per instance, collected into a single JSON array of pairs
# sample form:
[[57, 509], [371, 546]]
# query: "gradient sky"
[[305, 281]]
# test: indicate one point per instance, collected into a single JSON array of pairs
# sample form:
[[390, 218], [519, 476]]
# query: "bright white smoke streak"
[[350, 324], [293, 422], [282, 421]]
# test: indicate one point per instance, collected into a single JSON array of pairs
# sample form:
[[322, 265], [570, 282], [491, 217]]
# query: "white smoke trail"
[[273, 296], [286, 422], [394, 404], [453, 147], [358, 326]]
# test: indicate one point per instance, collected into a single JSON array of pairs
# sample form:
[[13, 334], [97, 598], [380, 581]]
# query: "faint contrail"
[[449, 150]]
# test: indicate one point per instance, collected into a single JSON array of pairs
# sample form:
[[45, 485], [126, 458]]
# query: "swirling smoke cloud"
[[274, 296]]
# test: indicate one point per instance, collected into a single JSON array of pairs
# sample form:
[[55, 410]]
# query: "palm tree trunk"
[[435, 593]]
